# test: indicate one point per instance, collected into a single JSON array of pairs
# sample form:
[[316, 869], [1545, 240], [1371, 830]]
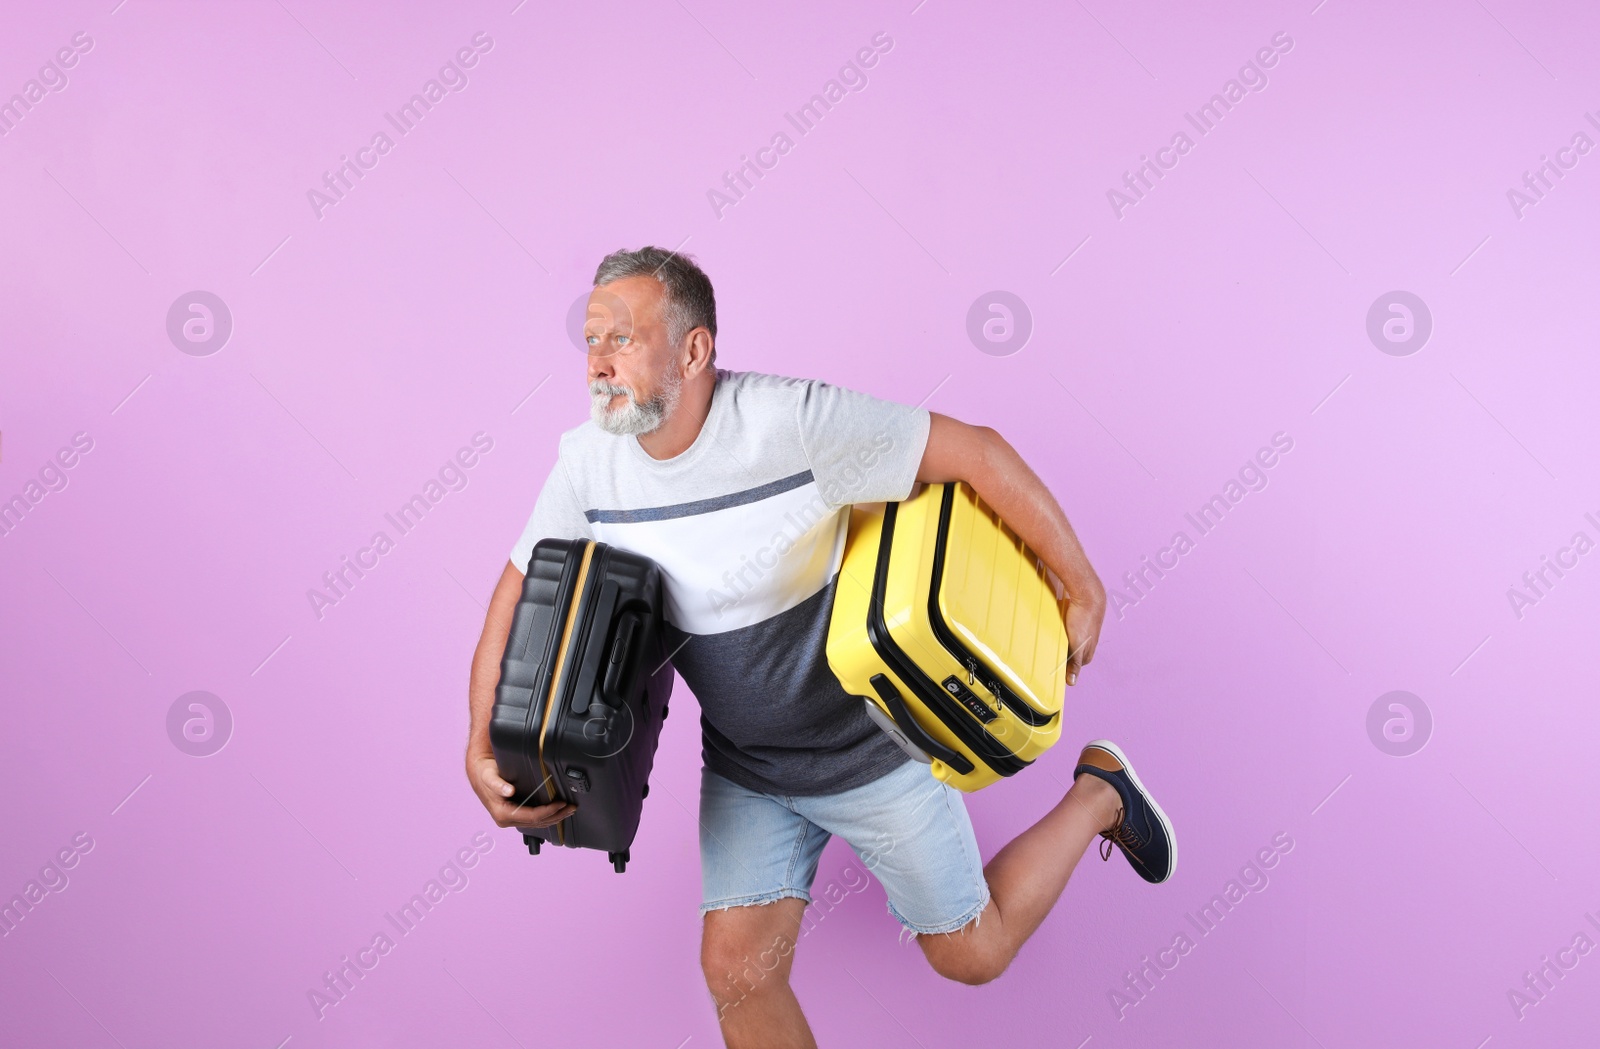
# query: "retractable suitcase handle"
[[915, 732], [602, 612], [619, 661]]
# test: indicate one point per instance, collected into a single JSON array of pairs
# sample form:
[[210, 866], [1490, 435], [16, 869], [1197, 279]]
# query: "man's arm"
[[979, 456], [482, 772]]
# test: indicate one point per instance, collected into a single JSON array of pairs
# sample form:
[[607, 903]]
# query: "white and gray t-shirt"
[[748, 525]]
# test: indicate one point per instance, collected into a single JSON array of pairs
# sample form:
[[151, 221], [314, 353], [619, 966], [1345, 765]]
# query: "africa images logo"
[[804, 120], [1204, 120], [453, 476], [52, 75], [452, 75]]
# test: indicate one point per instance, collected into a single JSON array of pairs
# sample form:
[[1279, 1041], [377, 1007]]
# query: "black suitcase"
[[583, 691]]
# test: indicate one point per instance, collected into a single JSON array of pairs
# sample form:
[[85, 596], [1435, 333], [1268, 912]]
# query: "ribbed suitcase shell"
[[953, 634], [583, 691]]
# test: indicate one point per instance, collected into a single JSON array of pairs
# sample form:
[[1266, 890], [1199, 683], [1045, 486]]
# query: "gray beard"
[[634, 418]]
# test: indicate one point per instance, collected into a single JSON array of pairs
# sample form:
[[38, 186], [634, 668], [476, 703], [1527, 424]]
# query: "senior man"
[[739, 485]]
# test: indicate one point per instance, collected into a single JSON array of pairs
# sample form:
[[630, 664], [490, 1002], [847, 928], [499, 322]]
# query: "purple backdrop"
[[1366, 232]]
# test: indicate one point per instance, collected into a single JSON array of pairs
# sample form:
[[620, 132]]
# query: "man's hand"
[[1083, 630], [495, 793]]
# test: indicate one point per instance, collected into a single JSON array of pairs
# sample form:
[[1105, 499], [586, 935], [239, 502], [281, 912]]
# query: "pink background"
[[1228, 305]]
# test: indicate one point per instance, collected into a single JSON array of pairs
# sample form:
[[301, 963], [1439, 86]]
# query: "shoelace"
[[1121, 834]]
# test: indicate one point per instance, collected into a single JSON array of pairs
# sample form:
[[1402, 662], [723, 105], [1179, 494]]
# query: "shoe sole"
[[1166, 824]]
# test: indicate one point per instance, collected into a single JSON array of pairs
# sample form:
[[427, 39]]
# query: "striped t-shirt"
[[748, 526]]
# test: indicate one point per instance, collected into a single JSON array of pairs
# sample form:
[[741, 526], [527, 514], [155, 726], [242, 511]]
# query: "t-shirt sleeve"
[[862, 449], [556, 515]]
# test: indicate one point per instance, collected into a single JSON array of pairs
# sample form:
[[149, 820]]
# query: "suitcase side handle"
[[915, 732], [620, 660]]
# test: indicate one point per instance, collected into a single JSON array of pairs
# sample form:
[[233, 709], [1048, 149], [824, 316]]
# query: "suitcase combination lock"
[[980, 710]]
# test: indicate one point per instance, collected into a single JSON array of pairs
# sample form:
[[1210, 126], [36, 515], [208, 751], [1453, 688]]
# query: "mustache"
[[602, 386]]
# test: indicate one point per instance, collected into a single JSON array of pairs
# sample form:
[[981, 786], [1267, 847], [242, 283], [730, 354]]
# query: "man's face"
[[634, 377]]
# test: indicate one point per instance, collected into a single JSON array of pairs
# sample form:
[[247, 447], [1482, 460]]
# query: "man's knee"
[[973, 954], [970, 967], [965, 961], [747, 950]]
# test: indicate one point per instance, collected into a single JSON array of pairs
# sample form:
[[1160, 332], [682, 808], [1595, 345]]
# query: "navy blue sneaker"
[[1142, 832]]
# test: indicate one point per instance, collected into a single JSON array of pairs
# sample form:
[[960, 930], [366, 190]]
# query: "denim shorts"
[[910, 830]]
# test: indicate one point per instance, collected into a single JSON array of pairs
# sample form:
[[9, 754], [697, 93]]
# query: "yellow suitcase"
[[951, 630]]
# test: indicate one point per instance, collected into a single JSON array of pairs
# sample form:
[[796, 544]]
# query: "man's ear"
[[698, 347]]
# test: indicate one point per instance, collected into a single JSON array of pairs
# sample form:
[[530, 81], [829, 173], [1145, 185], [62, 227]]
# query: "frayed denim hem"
[[759, 898], [955, 925]]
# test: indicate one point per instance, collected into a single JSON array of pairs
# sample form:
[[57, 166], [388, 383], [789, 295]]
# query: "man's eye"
[[621, 339]]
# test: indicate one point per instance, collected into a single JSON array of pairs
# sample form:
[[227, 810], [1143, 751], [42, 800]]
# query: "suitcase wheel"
[[619, 860], [645, 793], [533, 844]]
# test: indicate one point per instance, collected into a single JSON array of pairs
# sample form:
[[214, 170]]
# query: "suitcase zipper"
[[947, 637], [977, 739], [557, 684]]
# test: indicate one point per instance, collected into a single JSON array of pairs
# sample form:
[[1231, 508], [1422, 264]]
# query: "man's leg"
[[1027, 876], [1025, 880], [758, 858], [746, 953]]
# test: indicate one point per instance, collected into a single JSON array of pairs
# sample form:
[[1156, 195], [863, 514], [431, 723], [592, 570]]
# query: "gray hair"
[[689, 302]]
